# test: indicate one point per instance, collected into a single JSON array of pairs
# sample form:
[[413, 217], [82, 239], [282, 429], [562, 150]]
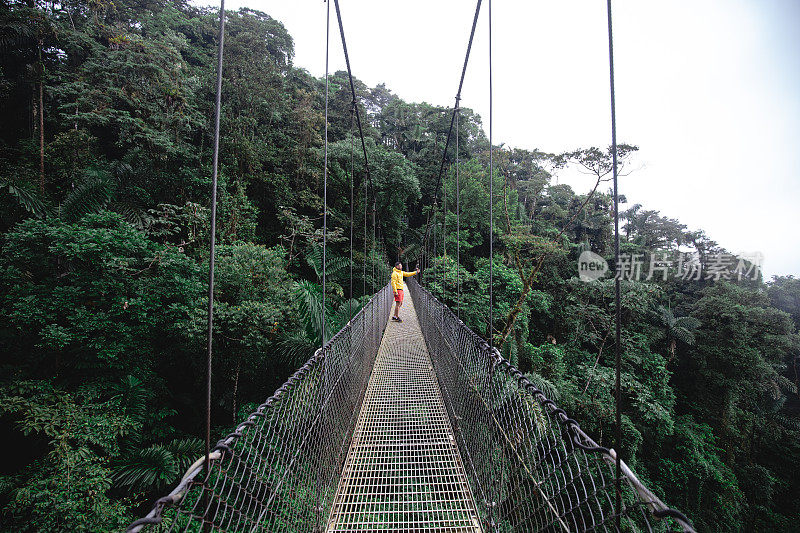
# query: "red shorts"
[[398, 296]]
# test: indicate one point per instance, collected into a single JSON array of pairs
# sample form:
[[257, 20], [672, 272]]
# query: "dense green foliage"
[[105, 186]]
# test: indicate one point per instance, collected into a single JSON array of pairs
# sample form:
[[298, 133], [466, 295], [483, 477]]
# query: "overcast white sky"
[[708, 89]]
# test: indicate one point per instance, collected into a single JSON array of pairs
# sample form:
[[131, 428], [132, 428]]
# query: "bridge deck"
[[403, 471]]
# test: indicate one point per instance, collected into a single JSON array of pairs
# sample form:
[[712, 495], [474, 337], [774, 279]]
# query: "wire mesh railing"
[[530, 466], [279, 469]]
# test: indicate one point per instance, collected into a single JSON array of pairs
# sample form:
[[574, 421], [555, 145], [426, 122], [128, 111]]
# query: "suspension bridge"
[[412, 426], [417, 426]]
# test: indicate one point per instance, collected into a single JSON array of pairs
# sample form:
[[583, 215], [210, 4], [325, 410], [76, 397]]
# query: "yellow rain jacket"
[[397, 278]]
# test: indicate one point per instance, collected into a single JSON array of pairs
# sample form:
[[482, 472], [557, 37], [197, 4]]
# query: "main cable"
[[352, 87], [453, 117], [363, 144]]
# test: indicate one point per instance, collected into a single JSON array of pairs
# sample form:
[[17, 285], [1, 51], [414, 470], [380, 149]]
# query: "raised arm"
[[409, 274]]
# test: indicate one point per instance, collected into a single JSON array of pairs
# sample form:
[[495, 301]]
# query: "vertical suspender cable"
[[364, 264], [325, 225], [458, 219], [444, 241], [617, 310], [352, 199], [375, 333], [212, 250], [491, 189], [435, 224], [325, 173], [490, 329]]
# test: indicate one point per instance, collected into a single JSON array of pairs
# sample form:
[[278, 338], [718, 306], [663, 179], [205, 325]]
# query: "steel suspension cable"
[[352, 87], [491, 191], [364, 263], [325, 173], [458, 219], [363, 142], [352, 200], [617, 311], [376, 338], [212, 247], [444, 241], [490, 330], [453, 116], [435, 227]]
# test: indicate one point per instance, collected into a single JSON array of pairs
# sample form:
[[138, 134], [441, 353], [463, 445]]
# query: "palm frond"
[[666, 316], [343, 314], [335, 265], [688, 322], [543, 384], [147, 469], [90, 195], [28, 199], [133, 214], [133, 395], [185, 451], [296, 347], [785, 384], [310, 301], [15, 33], [684, 335]]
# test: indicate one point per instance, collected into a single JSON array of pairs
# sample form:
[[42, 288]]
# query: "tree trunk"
[[527, 280], [41, 118], [41, 137]]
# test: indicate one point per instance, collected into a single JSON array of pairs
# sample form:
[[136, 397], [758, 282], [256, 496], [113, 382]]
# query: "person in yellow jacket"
[[397, 286]]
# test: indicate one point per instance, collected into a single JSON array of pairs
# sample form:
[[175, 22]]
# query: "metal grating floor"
[[403, 471]]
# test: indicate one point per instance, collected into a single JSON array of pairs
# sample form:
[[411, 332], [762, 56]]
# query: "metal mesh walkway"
[[403, 471]]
